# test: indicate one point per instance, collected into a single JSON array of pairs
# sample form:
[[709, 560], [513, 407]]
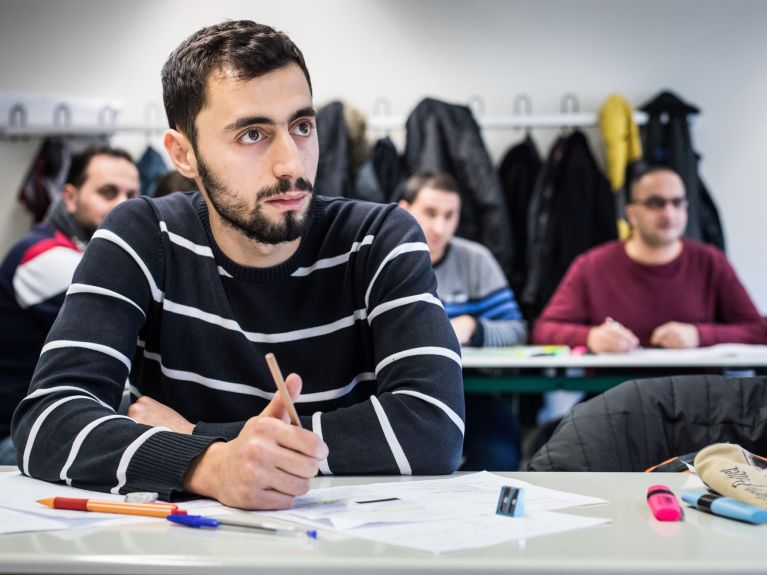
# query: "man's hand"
[[268, 464], [675, 335], [611, 337], [464, 327], [150, 412]]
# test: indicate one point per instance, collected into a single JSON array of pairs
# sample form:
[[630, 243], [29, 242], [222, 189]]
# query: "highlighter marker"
[[725, 507], [663, 503]]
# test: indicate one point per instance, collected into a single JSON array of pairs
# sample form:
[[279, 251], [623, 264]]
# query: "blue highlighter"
[[725, 507]]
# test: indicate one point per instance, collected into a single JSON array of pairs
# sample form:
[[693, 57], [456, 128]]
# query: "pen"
[[282, 389], [122, 507], [199, 521], [725, 507]]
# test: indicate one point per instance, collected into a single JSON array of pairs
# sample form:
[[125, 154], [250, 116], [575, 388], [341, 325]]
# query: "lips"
[[289, 201]]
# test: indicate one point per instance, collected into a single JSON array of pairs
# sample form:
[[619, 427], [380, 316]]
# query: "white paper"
[[17, 522], [438, 515]]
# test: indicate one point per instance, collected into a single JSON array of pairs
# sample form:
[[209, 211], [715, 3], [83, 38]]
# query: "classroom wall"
[[710, 52]]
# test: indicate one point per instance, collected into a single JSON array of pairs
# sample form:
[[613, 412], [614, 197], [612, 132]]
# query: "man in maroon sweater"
[[655, 289]]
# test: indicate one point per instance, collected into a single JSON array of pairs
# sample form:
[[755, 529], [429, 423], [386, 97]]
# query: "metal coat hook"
[[569, 105], [62, 116], [17, 116], [152, 118], [382, 107], [476, 104], [523, 101], [107, 116]]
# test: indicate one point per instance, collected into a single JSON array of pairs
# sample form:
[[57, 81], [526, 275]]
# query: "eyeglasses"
[[656, 203]]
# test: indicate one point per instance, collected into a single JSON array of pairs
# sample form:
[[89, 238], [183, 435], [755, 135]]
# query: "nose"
[[286, 158]]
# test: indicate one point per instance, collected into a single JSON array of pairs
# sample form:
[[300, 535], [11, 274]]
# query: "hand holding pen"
[[612, 337]]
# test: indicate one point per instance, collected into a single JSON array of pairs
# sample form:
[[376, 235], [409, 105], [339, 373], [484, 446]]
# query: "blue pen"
[[725, 507], [201, 521]]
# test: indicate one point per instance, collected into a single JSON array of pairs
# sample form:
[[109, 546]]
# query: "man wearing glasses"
[[655, 289]]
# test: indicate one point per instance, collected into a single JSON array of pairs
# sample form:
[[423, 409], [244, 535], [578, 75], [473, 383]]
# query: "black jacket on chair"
[[445, 138], [572, 210], [643, 422]]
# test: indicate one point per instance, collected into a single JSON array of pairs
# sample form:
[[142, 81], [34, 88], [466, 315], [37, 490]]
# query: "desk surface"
[[633, 543], [723, 356]]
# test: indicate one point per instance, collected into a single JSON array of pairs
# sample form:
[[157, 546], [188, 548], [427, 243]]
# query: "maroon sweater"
[[699, 286]]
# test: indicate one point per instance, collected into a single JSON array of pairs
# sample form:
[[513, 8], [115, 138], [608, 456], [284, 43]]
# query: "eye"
[[108, 192], [303, 128], [251, 137]]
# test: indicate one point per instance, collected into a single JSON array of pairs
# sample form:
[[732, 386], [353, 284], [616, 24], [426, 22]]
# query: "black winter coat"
[[643, 422], [571, 211], [445, 138], [667, 141]]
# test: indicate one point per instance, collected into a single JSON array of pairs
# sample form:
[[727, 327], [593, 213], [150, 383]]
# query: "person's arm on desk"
[[611, 337], [675, 335]]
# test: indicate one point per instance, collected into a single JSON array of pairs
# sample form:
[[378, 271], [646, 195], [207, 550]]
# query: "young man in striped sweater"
[[481, 308], [185, 294]]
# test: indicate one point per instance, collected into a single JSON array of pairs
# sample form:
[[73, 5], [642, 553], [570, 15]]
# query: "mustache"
[[285, 185]]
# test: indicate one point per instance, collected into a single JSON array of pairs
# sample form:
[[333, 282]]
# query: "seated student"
[[656, 289], [481, 308], [38, 269], [187, 293]]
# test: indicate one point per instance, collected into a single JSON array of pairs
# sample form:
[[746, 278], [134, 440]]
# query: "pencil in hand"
[[282, 389]]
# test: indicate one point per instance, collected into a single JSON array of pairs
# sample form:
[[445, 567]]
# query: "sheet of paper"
[[17, 522], [418, 501], [475, 532]]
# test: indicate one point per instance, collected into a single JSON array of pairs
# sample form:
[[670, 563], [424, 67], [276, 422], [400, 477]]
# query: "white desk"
[[633, 543], [724, 355], [515, 373]]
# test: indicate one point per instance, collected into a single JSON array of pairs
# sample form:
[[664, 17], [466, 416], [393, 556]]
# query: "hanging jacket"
[[518, 172], [622, 148], [446, 138], [46, 176], [151, 167], [571, 211], [343, 147], [381, 177], [667, 141], [334, 169], [641, 423]]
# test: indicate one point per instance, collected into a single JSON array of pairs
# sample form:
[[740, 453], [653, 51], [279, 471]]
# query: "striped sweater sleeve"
[[67, 428], [414, 423]]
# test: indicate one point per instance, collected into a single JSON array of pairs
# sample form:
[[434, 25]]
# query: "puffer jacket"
[[643, 422]]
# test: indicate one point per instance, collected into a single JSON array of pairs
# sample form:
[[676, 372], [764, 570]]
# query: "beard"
[[252, 222]]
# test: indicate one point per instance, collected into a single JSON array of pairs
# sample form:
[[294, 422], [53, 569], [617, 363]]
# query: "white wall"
[[711, 53]]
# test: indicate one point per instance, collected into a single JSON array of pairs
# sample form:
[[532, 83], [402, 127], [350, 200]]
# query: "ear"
[[404, 205], [181, 153], [69, 197]]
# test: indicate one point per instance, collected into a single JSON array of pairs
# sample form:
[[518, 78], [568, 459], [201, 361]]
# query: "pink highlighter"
[[663, 503]]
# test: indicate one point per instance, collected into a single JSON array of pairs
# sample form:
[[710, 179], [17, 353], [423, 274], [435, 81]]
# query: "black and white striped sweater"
[[354, 312]]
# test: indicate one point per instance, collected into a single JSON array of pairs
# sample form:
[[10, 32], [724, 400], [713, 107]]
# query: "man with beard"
[[656, 289], [185, 294], [37, 271]]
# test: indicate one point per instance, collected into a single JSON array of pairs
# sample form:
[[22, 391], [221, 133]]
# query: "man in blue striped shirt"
[[481, 308], [185, 294]]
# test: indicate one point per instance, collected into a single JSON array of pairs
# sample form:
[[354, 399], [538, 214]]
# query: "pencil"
[[122, 507], [282, 389]]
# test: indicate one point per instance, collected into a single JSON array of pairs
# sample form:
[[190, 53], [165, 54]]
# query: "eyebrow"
[[307, 112]]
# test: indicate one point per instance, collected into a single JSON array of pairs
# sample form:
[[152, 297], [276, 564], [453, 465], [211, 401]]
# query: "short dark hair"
[[78, 167], [248, 49], [638, 170], [421, 180]]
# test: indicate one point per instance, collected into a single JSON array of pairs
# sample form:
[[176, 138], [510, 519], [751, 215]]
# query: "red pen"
[[663, 503]]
